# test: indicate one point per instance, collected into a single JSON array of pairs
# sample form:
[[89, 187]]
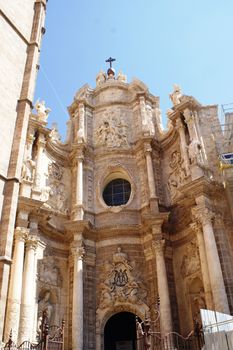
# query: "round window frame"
[[113, 174]]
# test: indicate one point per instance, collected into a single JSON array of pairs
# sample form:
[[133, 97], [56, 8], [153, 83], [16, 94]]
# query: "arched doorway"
[[120, 332]]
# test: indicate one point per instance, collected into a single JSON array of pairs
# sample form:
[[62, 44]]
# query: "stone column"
[[183, 145], [165, 307], [39, 160], [78, 205], [205, 217], [27, 303], [204, 266], [150, 176], [77, 310], [15, 286]]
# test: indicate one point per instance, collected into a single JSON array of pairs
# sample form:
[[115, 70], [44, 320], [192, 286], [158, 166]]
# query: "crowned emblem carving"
[[120, 283]]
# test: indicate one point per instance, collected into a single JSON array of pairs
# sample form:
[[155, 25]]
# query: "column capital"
[[78, 251], [32, 242], [21, 234], [147, 148], [203, 215], [159, 245]]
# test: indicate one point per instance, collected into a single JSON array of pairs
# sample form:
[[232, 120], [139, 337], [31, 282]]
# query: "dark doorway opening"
[[120, 332]]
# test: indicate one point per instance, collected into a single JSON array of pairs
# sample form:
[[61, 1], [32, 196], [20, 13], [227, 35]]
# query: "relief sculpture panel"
[[120, 283]]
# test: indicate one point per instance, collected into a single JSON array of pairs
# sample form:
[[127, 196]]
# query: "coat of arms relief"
[[120, 283]]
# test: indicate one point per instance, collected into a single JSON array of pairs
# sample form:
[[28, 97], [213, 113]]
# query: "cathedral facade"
[[123, 218]]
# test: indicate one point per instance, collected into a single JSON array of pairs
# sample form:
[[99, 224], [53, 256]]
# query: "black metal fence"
[[149, 340], [50, 338]]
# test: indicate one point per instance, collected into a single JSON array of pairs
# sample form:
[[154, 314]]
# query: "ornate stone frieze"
[[112, 130], [120, 284]]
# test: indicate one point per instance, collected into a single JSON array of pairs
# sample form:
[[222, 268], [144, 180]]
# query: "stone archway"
[[120, 332], [103, 316]]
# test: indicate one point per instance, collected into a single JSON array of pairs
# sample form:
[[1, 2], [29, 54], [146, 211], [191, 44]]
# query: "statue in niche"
[[120, 285], [45, 305], [176, 95], [42, 111], [28, 169], [194, 151]]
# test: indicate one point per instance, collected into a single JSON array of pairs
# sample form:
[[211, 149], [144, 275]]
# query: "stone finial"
[[42, 111], [122, 77], [100, 78], [176, 95]]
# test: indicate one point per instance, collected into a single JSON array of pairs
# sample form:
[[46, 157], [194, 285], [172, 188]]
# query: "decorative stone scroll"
[[112, 131], [120, 284]]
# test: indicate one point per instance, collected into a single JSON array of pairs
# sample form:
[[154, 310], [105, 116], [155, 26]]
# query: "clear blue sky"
[[160, 42]]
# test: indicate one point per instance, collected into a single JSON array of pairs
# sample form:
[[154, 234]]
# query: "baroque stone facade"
[[121, 214]]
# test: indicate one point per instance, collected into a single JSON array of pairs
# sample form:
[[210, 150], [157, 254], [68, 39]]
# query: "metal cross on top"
[[110, 60]]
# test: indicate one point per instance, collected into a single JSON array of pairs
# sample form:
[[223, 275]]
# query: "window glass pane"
[[117, 192]]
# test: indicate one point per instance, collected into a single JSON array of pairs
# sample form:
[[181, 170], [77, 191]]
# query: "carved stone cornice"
[[78, 250]]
